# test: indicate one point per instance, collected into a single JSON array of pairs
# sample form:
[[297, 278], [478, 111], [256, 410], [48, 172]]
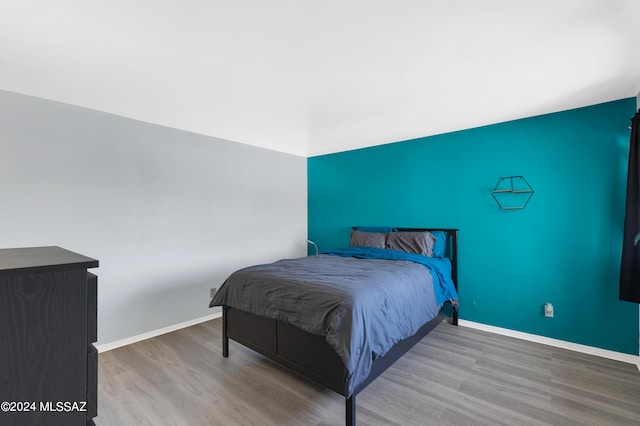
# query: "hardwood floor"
[[454, 376]]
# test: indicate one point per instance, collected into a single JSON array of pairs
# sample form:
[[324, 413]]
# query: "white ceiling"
[[313, 77]]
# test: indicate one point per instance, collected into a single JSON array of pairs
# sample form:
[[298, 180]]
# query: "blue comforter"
[[363, 300], [444, 288]]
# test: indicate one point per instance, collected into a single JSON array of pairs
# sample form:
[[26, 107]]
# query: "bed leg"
[[350, 419], [225, 338], [454, 320]]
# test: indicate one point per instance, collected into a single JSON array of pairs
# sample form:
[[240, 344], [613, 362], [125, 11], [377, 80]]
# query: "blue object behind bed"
[[440, 267]]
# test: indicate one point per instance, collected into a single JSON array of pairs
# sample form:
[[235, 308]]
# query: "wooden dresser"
[[48, 322]]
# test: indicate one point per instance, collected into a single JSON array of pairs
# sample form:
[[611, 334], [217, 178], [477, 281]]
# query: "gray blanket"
[[362, 306]]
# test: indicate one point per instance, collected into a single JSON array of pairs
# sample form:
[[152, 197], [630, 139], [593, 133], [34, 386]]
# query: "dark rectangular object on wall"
[[630, 263], [45, 362]]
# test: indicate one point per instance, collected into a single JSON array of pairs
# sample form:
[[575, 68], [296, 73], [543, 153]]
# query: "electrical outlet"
[[548, 310], [212, 292]]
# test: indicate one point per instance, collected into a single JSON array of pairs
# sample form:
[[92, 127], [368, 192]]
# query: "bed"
[[341, 318]]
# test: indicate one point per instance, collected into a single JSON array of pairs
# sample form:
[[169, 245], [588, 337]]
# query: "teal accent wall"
[[564, 248]]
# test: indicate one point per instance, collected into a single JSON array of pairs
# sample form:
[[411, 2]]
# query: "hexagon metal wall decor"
[[512, 192]]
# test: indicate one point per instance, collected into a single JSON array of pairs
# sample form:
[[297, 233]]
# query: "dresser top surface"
[[25, 259]]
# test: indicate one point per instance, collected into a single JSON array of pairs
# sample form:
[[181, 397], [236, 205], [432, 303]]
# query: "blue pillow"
[[440, 246]]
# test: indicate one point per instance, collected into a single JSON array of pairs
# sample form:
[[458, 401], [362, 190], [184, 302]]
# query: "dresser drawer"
[[92, 382], [92, 307]]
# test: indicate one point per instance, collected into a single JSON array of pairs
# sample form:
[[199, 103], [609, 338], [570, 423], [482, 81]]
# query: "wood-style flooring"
[[454, 376]]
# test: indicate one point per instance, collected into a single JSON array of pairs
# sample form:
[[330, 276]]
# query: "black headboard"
[[451, 250]]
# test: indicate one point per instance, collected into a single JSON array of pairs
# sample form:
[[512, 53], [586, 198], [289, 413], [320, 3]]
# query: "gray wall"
[[167, 213]]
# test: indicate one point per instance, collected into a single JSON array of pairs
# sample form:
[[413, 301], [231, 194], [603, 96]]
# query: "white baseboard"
[[590, 350], [154, 333]]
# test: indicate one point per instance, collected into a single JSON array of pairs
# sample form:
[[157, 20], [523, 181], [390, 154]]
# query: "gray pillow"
[[367, 239], [411, 242]]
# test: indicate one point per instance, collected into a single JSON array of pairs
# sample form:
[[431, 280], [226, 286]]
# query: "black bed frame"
[[310, 355]]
